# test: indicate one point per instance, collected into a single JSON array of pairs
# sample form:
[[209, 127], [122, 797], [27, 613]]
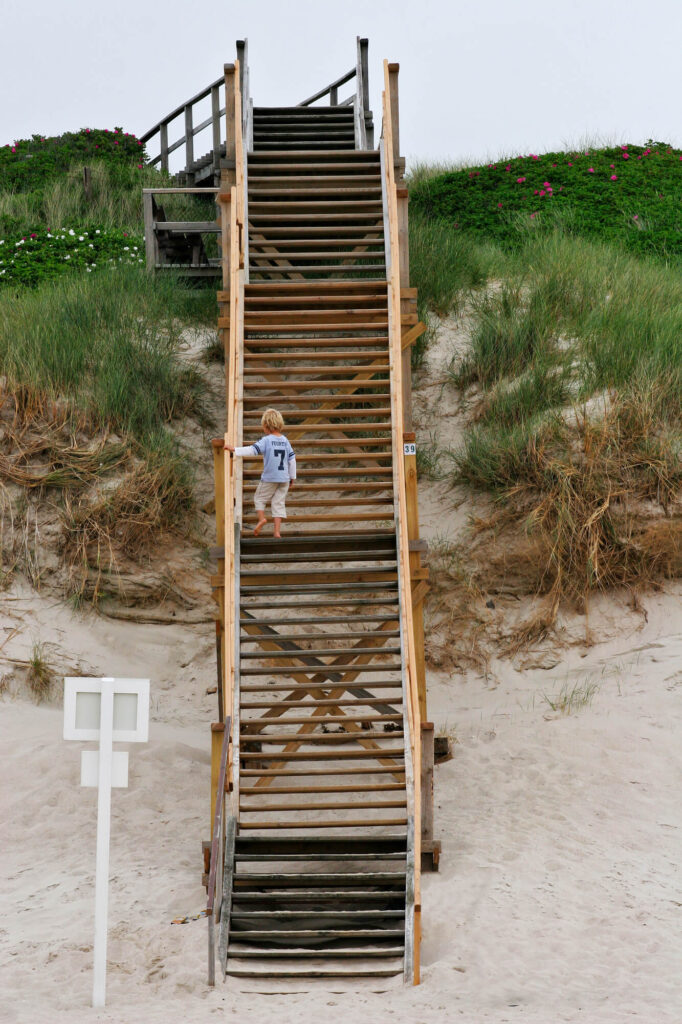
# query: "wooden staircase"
[[317, 657]]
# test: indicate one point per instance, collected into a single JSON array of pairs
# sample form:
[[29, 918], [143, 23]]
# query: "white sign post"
[[108, 710]]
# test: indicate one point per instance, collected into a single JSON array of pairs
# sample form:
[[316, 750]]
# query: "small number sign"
[[409, 448]]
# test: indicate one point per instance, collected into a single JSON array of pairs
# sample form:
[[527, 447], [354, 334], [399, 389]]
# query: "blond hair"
[[272, 420]]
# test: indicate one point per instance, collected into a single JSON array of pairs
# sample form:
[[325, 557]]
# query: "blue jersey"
[[277, 454]]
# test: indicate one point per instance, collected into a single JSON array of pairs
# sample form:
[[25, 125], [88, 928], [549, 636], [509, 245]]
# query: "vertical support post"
[[334, 96], [227, 176], [241, 57], [416, 571], [363, 62], [393, 70], [149, 232], [427, 786], [217, 730], [189, 138], [215, 124], [163, 144], [106, 730]]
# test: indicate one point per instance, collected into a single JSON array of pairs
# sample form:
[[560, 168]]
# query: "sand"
[[559, 893], [558, 898]]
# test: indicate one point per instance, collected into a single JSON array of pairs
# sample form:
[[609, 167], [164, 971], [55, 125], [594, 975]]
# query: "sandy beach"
[[558, 897]]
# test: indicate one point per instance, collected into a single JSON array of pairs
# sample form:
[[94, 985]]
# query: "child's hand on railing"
[[229, 448], [291, 484]]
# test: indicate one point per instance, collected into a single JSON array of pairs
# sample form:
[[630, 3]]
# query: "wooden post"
[[215, 124], [189, 139], [217, 730], [163, 144], [416, 570], [430, 846], [87, 184], [241, 57], [393, 70], [227, 166], [149, 233], [363, 65]]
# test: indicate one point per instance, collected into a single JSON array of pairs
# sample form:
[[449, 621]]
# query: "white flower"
[[2, 241], [71, 231], [80, 238], [87, 270], [67, 257], [97, 232], [90, 245], [126, 248], [49, 235]]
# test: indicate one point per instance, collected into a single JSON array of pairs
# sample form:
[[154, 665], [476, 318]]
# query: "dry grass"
[[40, 677], [122, 522]]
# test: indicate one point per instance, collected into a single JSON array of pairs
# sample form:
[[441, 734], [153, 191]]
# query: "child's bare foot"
[[277, 523], [259, 526]]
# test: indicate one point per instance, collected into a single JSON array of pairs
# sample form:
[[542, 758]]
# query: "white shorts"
[[274, 492]]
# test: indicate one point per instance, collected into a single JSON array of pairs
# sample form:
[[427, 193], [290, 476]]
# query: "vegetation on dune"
[[55, 221], [92, 381], [573, 377], [628, 195]]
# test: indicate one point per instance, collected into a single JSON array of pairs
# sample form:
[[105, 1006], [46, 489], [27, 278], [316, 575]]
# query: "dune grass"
[[85, 358], [576, 363]]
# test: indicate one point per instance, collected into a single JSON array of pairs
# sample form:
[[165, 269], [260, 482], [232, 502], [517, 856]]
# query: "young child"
[[279, 469]]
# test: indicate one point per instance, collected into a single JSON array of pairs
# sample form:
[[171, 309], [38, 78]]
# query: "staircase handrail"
[[187, 137], [233, 467], [395, 347], [218, 816]]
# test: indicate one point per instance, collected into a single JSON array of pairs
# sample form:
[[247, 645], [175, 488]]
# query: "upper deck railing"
[[163, 145]]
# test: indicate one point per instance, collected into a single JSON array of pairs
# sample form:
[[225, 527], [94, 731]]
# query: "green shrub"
[[629, 195]]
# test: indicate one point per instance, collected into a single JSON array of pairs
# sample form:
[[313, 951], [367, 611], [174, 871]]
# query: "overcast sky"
[[477, 78]]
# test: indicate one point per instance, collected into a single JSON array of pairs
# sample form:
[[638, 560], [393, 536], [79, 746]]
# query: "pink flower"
[[612, 166], [553, 165], [139, 166], [590, 170], [520, 181], [570, 164], [549, 191], [532, 215], [34, 236], [535, 192], [623, 147], [14, 149], [626, 156], [533, 156], [541, 192], [106, 129], [546, 184], [636, 217], [614, 177], [96, 147], [499, 206], [116, 143], [508, 167]]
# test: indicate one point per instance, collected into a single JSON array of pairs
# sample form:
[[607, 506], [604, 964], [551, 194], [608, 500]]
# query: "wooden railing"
[[389, 158], [234, 272], [216, 833], [160, 131], [359, 100], [156, 228]]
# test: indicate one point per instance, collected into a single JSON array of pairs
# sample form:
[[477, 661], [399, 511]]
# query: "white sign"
[[106, 710], [409, 448]]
